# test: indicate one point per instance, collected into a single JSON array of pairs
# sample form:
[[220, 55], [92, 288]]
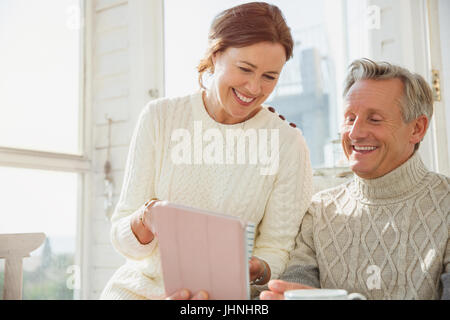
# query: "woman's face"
[[243, 79]]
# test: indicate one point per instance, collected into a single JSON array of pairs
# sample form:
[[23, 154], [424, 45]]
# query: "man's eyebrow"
[[255, 67]]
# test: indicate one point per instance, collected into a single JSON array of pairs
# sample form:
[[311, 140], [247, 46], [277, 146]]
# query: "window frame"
[[63, 162]]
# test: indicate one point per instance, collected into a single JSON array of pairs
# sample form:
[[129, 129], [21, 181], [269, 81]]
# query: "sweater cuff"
[[126, 242], [445, 278], [306, 275]]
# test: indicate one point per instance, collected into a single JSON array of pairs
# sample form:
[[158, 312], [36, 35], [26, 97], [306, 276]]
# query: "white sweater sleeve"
[[138, 186], [287, 204]]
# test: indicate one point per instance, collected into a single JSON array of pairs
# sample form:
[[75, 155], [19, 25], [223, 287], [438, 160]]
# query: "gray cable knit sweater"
[[386, 238]]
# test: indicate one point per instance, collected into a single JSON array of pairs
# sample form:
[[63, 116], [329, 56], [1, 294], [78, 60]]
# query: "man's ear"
[[419, 129]]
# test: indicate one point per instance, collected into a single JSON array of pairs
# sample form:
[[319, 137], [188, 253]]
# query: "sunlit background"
[[41, 103], [39, 110]]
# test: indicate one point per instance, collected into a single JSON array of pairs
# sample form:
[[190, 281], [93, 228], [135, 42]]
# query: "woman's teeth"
[[241, 97]]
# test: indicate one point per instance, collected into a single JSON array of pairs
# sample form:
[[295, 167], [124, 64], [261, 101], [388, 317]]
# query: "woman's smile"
[[242, 99]]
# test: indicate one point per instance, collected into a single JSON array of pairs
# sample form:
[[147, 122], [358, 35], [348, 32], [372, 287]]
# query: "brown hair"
[[245, 25]]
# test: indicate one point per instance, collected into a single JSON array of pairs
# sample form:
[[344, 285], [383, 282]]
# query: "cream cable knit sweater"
[[387, 238], [276, 202]]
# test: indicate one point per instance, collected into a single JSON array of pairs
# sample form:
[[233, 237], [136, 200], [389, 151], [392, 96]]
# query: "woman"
[[248, 47]]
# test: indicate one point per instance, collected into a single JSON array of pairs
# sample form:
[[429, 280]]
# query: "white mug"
[[322, 294]]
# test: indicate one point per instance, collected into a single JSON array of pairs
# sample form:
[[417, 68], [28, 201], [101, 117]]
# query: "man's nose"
[[358, 130]]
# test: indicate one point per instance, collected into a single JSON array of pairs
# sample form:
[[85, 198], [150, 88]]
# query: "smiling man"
[[385, 234], [375, 137]]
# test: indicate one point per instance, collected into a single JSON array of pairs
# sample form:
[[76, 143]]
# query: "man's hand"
[[184, 294], [278, 287]]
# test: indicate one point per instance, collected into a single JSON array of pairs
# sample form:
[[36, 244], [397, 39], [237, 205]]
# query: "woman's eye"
[[244, 69], [270, 77]]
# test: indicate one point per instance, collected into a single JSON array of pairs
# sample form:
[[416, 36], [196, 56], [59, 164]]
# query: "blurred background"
[[74, 75]]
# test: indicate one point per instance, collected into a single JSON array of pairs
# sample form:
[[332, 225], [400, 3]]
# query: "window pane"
[[42, 201], [309, 90], [39, 74]]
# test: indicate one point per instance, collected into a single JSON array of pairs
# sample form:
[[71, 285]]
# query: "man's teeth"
[[364, 148], [240, 96]]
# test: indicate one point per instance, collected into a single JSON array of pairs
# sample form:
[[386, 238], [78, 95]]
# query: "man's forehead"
[[375, 93]]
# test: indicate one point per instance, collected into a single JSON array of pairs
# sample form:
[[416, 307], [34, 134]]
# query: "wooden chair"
[[13, 248]]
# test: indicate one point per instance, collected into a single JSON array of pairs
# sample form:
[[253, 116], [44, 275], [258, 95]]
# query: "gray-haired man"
[[385, 234]]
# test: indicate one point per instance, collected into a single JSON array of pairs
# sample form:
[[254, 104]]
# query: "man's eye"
[[269, 77], [375, 120]]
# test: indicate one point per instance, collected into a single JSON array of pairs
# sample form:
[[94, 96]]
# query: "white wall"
[[124, 67], [444, 21]]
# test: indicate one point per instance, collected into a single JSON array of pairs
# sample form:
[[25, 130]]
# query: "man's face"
[[375, 138]]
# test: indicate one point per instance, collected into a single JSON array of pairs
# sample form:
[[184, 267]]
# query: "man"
[[385, 234]]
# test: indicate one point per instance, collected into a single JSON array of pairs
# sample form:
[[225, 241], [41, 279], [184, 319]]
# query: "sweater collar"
[[400, 182]]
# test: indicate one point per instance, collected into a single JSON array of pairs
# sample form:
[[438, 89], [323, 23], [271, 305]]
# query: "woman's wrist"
[[138, 225], [264, 275]]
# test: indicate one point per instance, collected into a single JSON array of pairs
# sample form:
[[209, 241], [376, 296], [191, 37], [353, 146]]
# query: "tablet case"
[[201, 250]]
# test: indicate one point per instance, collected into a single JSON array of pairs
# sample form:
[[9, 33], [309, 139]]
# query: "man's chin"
[[360, 169]]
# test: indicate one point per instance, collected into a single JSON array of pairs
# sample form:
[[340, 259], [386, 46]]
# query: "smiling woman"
[[248, 47], [243, 79]]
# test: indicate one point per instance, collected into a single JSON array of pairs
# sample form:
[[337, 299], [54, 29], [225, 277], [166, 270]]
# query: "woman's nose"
[[254, 86]]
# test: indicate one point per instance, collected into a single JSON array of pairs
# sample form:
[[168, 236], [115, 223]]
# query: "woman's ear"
[[419, 129], [214, 58]]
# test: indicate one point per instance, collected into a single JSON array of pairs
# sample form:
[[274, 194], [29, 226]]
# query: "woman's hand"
[[259, 271], [185, 294], [141, 223]]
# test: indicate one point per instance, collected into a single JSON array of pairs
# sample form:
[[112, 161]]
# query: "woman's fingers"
[[201, 295], [182, 294]]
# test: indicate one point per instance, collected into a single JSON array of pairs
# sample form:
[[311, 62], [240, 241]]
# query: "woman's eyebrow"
[[255, 67]]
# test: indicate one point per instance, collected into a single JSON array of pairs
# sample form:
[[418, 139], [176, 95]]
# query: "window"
[[42, 201], [39, 86], [42, 157], [309, 90]]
